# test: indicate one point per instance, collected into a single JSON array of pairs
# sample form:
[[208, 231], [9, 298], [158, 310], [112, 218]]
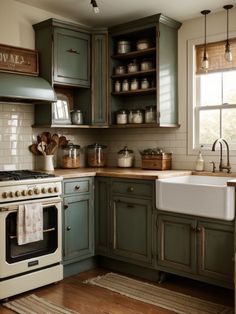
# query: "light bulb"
[[96, 10], [228, 53], [205, 63]]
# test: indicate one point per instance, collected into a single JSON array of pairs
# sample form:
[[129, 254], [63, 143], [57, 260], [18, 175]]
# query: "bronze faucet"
[[222, 166]]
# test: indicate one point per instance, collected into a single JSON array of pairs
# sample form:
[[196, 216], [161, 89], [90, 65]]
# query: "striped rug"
[[35, 305], [164, 298]]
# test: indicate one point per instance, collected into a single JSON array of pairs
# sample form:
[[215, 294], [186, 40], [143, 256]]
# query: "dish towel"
[[29, 223]]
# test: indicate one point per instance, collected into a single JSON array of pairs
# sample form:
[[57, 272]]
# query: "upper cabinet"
[[143, 71], [64, 51]]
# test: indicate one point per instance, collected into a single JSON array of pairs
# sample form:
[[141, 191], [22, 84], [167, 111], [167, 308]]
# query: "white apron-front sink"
[[206, 196]]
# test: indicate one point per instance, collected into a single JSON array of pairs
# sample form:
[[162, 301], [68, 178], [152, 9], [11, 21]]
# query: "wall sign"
[[18, 60]]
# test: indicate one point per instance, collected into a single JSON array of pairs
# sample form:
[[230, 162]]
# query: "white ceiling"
[[114, 12]]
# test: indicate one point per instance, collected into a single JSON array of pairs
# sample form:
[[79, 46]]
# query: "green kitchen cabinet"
[[78, 219], [199, 248], [161, 33], [124, 214]]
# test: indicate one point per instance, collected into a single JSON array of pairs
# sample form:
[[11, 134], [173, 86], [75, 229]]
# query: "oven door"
[[17, 259]]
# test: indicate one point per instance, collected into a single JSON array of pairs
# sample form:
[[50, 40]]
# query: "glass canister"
[[134, 84], [125, 86], [145, 83], [132, 67], [77, 117], [121, 117], [96, 154], [137, 116], [117, 86], [125, 158], [150, 114], [70, 156]]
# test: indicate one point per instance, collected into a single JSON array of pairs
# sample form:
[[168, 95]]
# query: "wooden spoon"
[[34, 150], [41, 147], [50, 148], [55, 137]]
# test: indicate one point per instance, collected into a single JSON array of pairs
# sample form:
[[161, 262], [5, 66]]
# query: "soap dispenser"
[[199, 164]]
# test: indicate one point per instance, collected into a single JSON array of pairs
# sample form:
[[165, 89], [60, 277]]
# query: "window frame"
[[193, 118]]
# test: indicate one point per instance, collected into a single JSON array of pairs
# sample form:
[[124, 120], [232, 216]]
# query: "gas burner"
[[23, 175]]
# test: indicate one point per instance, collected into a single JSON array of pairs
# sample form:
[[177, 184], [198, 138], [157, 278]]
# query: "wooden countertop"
[[135, 173]]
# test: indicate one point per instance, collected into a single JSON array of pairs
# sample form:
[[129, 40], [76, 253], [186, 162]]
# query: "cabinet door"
[[102, 195], [216, 250], [78, 227], [71, 57], [177, 243], [99, 79], [132, 230]]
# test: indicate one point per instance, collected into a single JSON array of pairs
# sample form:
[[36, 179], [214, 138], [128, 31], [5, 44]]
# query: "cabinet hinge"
[[158, 34]]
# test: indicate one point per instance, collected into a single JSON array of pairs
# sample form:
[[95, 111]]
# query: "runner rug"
[[164, 298], [35, 305]]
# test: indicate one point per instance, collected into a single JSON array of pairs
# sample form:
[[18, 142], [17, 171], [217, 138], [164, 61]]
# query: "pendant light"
[[205, 62], [228, 53], [95, 6]]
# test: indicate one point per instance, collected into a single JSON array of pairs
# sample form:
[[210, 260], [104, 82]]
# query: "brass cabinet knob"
[[130, 189], [77, 187]]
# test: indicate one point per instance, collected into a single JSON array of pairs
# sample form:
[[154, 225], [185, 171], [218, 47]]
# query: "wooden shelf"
[[136, 92], [70, 126], [135, 54], [142, 125], [134, 74]]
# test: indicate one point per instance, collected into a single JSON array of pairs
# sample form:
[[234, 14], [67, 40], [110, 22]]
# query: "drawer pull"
[[77, 187], [130, 189], [68, 228], [73, 51], [65, 206], [130, 205]]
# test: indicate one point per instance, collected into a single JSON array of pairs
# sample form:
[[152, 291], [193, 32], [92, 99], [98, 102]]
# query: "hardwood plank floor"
[[87, 299]]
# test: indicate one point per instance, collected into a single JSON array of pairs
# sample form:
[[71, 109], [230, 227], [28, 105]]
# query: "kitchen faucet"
[[222, 166]]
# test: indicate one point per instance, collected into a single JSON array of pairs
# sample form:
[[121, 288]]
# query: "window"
[[213, 97]]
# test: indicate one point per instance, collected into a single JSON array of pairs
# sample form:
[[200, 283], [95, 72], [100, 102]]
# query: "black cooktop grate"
[[23, 175]]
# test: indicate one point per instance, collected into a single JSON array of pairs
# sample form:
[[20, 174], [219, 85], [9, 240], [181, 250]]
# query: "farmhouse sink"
[[206, 196]]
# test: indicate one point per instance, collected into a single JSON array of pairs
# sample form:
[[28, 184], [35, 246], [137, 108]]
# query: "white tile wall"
[[16, 134]]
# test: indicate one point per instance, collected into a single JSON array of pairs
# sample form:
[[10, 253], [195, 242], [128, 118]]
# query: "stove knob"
[[37, 191], [44, 190], [24, 192], [17, 193], [56, 190], [4, 194], [50, 190], [11, 194], [30, 192]]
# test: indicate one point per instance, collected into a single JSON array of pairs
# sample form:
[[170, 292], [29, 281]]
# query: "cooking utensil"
[[34, 150], [55, 138], [51, 148], [41, 147]]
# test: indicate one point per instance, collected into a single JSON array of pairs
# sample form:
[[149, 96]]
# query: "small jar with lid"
[[70, 156], [77, 117], [150, 114], [121, 117], [96, 154], [146, 65], [134, 84], [125, 158], [123, 46], [117, 86], [132, 67], [137, 116], [130, 116], [120, 69], [125, 86], [145, 83]]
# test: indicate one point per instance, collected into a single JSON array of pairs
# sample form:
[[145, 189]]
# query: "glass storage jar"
[[150, 114], [77, 117], [144, 83], [137, 116], [70, 156], [123, 46], [125, 158], [96, 154], [134, 84], [121, 117], [125, 86], [120, 69], [132, 67], [117, 86]]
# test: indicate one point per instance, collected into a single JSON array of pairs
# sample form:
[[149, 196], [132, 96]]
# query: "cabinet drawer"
[[78, 186], [133, 188]]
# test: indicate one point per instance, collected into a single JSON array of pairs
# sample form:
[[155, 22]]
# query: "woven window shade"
[[215, 53]]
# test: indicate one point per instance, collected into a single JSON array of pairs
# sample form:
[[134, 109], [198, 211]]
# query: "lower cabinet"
[[198, 246], [78, 220], [124, 220]]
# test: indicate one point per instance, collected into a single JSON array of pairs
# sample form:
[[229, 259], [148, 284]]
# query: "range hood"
[[19, 88]]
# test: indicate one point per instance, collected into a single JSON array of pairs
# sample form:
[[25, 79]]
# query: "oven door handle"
[[45, 203], [44, 231]]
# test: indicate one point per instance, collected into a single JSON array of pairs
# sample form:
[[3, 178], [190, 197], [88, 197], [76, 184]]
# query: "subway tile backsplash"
[[16, 134]]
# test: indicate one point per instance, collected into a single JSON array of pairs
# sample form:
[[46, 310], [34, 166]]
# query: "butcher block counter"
[[132, 173]]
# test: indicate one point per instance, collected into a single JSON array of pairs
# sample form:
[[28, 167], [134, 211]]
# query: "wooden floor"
[[86, 299]]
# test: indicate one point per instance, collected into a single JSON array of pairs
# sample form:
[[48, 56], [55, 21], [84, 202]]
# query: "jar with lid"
[[137, 116], [130, 116], [77, 117], [125, 158], [146, 65], [117, 86], [125, 86], [134, 84], [143, 44], [144, 83], [70, 156], [96, 154], [132, 67], [123, 46], [150, 114], [120, 69], [121, 117]]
